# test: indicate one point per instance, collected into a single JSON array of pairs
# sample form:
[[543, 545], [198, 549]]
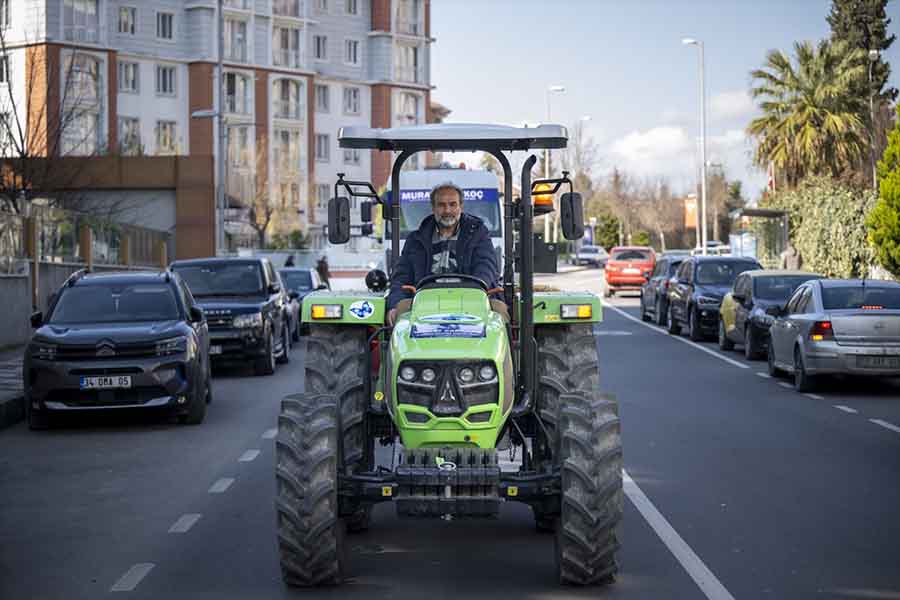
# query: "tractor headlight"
[[327, 311], [247, 321], [428, 375], [486, 373], [408, 374], [575, 311], [466, 375]]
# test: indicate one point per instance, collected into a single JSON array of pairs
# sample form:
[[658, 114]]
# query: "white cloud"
[[732, 105], [654, 144]]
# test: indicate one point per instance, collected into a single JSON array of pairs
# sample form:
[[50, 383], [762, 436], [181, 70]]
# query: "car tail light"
[[611, 267], [821, 331]]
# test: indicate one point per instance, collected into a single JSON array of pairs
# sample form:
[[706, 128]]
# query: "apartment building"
[[127, 75]]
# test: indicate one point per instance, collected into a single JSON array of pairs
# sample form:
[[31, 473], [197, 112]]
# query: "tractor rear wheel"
[[590, 461]]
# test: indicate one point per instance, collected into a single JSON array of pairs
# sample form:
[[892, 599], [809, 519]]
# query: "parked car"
[[677, 252], [595, 256], [696, 294], [654, 293], [245, 306], [299, 282], [628, 268], [834, 326], [116, 341], [747, 310]]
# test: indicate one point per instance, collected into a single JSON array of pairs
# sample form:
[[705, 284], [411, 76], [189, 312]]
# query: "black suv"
[[245, 306], [655, 293], [118, 340], [696, 294]]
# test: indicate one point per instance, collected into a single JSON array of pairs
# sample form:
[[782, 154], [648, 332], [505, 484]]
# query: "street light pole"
[[699, 44], [874, 55], [220, 122], [558, 89]]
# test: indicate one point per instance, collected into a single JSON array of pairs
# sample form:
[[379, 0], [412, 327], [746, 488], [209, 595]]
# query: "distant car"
[[628, 268], [595, 256], [832, 326], [746, 311], [654, 293], [696, 294], [115, 341], [246, 308], [299, 282]]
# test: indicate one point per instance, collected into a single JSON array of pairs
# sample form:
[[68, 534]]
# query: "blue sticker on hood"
[[448, 318], [362, 309], [447, 330]]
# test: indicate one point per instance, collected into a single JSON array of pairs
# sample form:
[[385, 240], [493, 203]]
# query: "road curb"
[[12, 410]]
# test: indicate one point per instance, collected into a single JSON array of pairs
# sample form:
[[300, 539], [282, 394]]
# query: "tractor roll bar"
[[527, 365], [509, 219], [394, 210]]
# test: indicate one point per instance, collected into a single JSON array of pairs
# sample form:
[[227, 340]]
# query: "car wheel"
[[750, 350], [770, 356], [724, 342], [802, 381], [660, 314], [37, 421], [644, 316], [285, 356], [673, 327], [197, 409], [296, 333], [694, 331], [265, 365]]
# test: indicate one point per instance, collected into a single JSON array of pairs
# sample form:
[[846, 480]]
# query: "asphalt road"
[[746, 489]]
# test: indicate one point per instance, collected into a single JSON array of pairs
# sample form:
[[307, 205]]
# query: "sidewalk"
[[12, 407]]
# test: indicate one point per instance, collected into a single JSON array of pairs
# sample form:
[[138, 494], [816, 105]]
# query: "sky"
[[624, 66]]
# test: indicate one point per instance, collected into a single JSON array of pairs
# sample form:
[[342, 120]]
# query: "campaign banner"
[[469, 195]]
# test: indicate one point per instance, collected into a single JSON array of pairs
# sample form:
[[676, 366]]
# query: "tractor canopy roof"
[[454, 136]]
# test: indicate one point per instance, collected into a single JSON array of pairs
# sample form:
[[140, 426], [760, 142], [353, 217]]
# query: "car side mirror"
[[37, 319], [293, 295], [196, 314], [274, 288], [571, 215], [322, 286], [339, 220], [365, 212]]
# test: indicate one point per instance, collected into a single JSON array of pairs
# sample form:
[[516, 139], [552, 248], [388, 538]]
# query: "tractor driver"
[[448, 241]]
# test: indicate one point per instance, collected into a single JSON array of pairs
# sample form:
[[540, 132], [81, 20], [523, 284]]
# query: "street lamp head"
[[556, 88], [874, 55], [689, 41]]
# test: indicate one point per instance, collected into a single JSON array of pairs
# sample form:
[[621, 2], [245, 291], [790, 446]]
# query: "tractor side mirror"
[[339, 220], [365, 212], [571, 215]]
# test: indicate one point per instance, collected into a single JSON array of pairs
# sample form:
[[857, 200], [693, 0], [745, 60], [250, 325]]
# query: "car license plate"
[[215, 349], [878, 362], [105, 382], [631, 271]]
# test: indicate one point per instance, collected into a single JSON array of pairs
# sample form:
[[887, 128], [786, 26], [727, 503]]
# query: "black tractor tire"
[[285, 356], [672, 325], [265, 365], [592, 503], [694, 332], [311, 532], [724, 343]]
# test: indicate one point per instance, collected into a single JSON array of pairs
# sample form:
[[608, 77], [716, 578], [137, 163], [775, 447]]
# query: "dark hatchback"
[[115, 341], [697, 291], [655, 293], [245, 306], [299, 281]]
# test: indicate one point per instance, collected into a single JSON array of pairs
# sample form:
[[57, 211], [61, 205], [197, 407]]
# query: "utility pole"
[[699, 44], [220, 116]]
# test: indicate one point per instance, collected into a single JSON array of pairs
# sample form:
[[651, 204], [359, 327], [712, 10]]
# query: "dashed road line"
[[221, 485], [846, 409], [269, 434], [699, 572], [785, 385], [886, 425], [184, 524], [677, 337], [814, 396], [763, 375], [132, 577], [248, 455]]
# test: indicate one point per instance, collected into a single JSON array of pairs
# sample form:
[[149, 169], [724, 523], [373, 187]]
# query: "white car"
[[591, 255]]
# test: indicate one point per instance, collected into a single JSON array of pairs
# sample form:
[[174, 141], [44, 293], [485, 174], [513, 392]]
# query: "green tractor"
[[448, 383]]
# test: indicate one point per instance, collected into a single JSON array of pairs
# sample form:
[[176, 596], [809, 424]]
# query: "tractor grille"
[[446, 395]]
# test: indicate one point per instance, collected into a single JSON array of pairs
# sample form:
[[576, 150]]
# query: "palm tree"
[[812, 122]]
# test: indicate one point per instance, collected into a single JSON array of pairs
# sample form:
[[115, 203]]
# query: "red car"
[[628, 268]]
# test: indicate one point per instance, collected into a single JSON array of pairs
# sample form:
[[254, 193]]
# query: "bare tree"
[[261, 207]]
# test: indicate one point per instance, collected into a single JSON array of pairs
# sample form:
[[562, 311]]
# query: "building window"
[[165, 26], [288, 98], [239, 146], [237, 94], [351, 100], [321, 6], [289, 195], [407, 109], [128, 77], [239, 4], [322, 98], [409, 17], [83, 75], [8, 147], [406, 63], [127, 19], [352, 156], [4, 13], [351, 52], [323, 194], [286, 47], [165, 137], [130, 136], [286, 8], [236, 40], [83, 106], [323, 147], [287, 151], [4, 69], [165, 80], [81, 135], [320, 47], [352, 7], [81, 20]]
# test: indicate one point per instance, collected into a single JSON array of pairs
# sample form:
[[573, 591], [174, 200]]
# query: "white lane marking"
[[814, 396], [221, 485], [846, 409], [764, 375], [613, 332], [132, 577], [886, 425], [676, 337], [184, 524], [702, 576], [269, 434], [248, 455], [785, 385]]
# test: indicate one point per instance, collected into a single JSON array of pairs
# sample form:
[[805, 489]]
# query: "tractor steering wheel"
[[429, 279]]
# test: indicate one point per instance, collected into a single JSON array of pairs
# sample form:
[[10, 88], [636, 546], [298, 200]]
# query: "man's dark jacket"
[[475, 256]]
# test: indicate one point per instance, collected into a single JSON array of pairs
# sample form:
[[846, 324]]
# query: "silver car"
[[833, 326]]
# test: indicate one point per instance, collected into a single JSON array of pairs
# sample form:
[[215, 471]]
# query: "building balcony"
[[292, 59], [288, 8], [285, 109]]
